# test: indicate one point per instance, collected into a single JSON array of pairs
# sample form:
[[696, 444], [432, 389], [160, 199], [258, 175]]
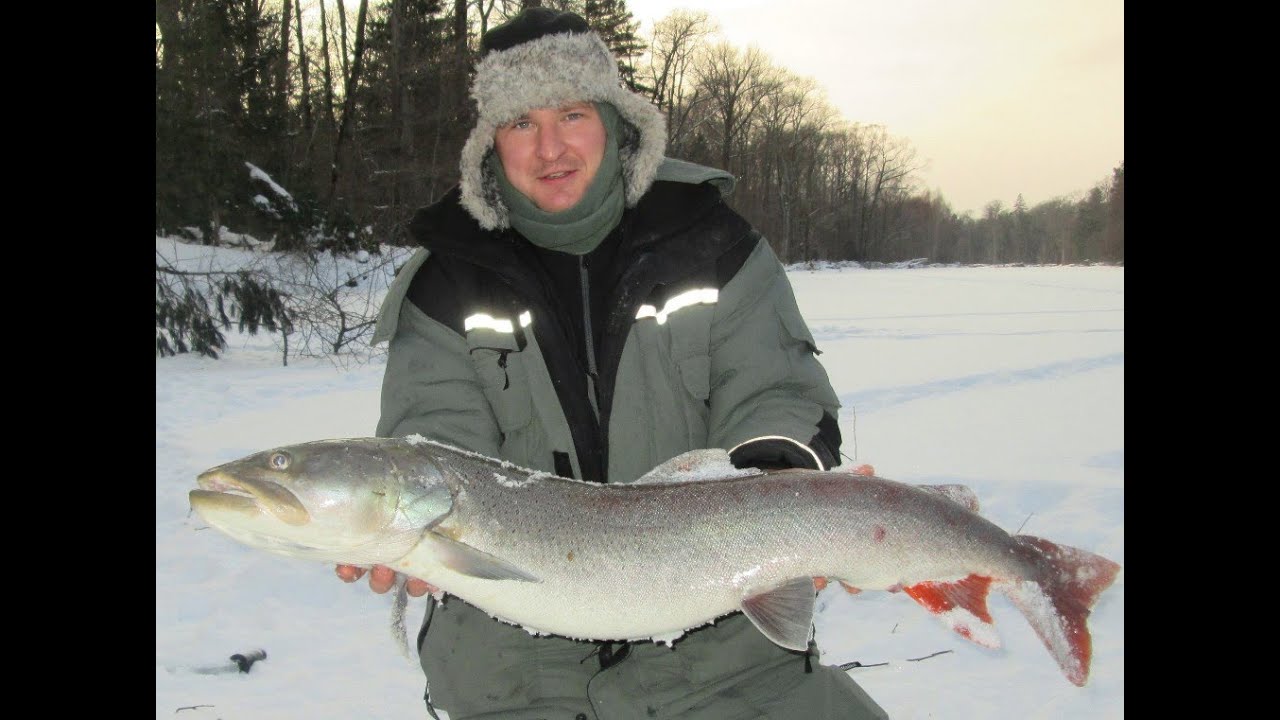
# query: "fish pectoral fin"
[[467, 560], [784, 613], [962, 605]]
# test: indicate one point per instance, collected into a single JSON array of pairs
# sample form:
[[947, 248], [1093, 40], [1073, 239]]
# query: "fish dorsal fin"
[[703, 464], [784, 613], [958, 494], [962, 605], [467, 560]]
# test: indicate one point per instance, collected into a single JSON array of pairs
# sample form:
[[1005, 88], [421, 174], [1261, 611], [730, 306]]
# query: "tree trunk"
[[785, 191], [342, 36], [484, 15], [348, 105], [282, 64], [170, 30], [328, 70], [461, 56], [397, 102], [726, 144], [306, 79], [282, 91], [460, 27]]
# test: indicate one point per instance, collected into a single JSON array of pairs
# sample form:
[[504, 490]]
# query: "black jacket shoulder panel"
[[443, 221], [435, 291], [463, 273], [671, 207]]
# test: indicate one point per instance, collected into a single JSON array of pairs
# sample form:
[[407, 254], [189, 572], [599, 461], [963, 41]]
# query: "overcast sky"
[[1000, 97]]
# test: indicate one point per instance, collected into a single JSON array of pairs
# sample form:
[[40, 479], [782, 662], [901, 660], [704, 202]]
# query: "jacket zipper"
[[593, 374]]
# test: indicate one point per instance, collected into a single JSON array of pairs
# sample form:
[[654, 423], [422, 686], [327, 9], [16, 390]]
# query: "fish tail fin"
[[1058, 601]]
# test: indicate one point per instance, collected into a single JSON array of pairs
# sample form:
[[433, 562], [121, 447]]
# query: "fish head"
[[359, 502]]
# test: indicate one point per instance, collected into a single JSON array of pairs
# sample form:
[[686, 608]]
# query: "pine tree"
[[618, 28]]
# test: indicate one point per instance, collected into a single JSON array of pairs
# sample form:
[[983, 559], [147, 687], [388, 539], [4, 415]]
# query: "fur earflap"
[[551, 71]]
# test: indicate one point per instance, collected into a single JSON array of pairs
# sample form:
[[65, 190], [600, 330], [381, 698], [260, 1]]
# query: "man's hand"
[[383, 577]]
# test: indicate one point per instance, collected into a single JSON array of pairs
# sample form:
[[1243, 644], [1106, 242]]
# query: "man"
[[587, 307]]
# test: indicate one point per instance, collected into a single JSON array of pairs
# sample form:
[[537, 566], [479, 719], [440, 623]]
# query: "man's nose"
[[550, 143]]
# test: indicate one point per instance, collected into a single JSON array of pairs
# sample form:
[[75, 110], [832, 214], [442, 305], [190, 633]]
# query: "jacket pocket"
[[796, 329], [690, 341], [499, 361], [695, 375]]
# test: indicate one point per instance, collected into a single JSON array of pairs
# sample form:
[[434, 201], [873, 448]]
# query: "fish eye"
[[278, 461]]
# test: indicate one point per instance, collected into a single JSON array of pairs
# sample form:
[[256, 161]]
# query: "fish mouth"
[[222, 492]]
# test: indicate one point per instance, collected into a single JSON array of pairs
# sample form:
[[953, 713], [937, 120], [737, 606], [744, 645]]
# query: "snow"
[[1007, 380], [258, 173]]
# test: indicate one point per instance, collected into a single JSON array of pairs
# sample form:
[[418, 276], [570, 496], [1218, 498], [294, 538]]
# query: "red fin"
[[849, 588], [1057, 603], [962, 605]]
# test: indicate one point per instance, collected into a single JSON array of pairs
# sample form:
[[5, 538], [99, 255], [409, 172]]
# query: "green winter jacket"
[[680, 333]]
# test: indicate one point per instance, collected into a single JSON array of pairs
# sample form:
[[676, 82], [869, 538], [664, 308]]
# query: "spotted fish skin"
[[693, 541]]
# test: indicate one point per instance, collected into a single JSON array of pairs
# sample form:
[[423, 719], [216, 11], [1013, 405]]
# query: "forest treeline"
[[326, 123]]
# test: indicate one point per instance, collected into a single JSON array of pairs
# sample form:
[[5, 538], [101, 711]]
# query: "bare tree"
[[307, 128], [343, 54], [735, 83], [282, 82], [332, 310], [460, 28], [348, 103], [313, 304], [328, 70], [672, 46], [882, 168], [790, 122]]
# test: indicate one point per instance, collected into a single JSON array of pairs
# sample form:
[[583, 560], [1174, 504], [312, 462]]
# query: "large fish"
[[693, 540]]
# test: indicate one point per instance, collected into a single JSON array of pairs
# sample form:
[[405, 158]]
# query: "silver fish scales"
[[694, 540]]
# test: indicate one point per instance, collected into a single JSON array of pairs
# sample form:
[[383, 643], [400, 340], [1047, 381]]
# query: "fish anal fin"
[[784, 613], [467, 560], [961, 604]]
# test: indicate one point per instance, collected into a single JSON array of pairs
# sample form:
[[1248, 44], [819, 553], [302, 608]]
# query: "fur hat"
[[544, 58]]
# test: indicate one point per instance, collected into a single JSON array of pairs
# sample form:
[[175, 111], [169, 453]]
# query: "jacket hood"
[[551, 71]]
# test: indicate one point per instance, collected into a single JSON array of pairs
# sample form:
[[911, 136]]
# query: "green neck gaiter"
[[579, 229]]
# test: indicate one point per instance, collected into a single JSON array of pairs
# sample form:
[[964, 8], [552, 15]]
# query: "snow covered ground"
[[1007, 379]]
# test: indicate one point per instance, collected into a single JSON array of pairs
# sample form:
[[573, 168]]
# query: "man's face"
[[551, 155]]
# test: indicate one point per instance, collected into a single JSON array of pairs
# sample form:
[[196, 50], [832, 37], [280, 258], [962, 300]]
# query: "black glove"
[[775, 453]]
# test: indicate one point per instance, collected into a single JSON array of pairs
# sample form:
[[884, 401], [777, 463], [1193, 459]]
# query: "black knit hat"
[[530, 25], [544, 58]]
